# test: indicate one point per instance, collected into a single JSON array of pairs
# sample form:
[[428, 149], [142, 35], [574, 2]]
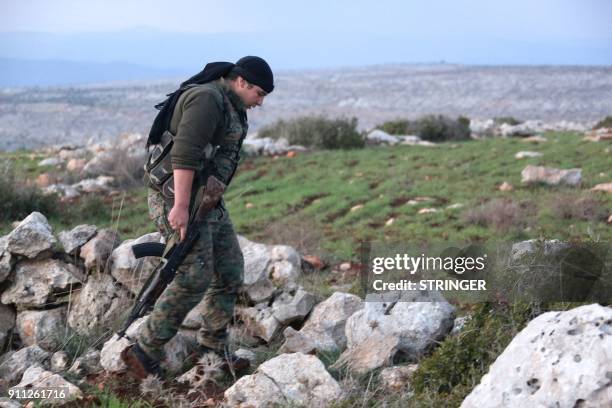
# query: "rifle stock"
[[174, 256]]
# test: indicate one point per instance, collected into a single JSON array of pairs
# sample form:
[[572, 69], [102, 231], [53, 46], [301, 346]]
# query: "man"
[[209, 111]]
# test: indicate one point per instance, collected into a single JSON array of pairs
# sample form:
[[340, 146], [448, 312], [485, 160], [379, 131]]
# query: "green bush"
[[19, 199], [604, 123], [509, 120], [438, 128], [398, 127], [317, 132], [435, 128], [453, 369]]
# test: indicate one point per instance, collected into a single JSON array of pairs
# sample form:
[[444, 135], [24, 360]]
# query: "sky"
[[315, 33]]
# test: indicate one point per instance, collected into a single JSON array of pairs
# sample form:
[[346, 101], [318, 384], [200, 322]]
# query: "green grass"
[[321, 188], [316, 192]]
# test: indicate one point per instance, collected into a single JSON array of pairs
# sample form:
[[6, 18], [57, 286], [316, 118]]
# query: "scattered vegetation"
[[317, 132], [573, 206], [435, 128], [604, 123], [20, 199], [126, 169], [503, 214], [508, 120], [438, 128], [448, 375], [398, 127]]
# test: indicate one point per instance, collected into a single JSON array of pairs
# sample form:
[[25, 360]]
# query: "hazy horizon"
[[45, 42]]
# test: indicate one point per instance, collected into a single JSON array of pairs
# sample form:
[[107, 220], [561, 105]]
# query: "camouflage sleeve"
[[201, 116]]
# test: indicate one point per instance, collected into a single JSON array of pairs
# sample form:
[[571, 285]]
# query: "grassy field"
[[325, 203], [307, 200]]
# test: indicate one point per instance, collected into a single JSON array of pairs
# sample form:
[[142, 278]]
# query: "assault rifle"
[[173, 254]]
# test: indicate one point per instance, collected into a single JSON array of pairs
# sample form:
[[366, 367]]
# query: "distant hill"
[[34, 117]]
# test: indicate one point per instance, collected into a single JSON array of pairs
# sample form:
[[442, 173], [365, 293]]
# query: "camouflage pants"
[[212, 271]]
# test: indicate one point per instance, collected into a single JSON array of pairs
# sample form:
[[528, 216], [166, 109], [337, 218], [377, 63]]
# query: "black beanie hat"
[[256, 71]]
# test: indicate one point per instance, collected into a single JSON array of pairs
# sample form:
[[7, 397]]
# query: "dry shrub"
[[126, 168], [503, 214], [317, 131], [299, 233], [577, 207], [19, 199]]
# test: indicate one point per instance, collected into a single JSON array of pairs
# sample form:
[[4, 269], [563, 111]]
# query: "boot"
[[139, 364]]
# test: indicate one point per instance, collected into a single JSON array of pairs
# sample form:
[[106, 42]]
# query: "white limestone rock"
[[36, 282], [551, 176], [76, 237], [14, 363], [32, 236], [129, 271], [288, 308], [416, 320], [98, 305], [97, 250], [325, 328], [45, 328], [297, 379], [561, 359], [37, 377]]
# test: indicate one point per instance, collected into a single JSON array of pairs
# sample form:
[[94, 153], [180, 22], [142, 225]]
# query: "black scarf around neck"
[[211, 72]]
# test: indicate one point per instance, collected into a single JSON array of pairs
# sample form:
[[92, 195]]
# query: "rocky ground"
[[78, 284]]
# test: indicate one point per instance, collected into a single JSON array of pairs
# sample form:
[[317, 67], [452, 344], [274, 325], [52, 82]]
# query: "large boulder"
[[129, 271], [561, 359], [37, 377], [96, 251], [289, 379], [416, 320], [14, 363], [268, 267], [32, 236], [46, 328], [324, 329], [7, 323], [76, 237], [38, 282], [98, 305], [551, 176]]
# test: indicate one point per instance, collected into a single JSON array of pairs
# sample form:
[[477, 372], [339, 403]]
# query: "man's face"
[[251, 95]]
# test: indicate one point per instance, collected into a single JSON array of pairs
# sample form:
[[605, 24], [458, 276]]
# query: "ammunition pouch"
[[158, 168]]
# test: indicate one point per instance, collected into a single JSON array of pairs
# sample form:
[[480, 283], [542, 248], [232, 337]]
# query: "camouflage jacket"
[[210, 114]]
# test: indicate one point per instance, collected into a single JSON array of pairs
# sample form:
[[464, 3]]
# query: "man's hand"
[[178, 219], [179, 215]]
